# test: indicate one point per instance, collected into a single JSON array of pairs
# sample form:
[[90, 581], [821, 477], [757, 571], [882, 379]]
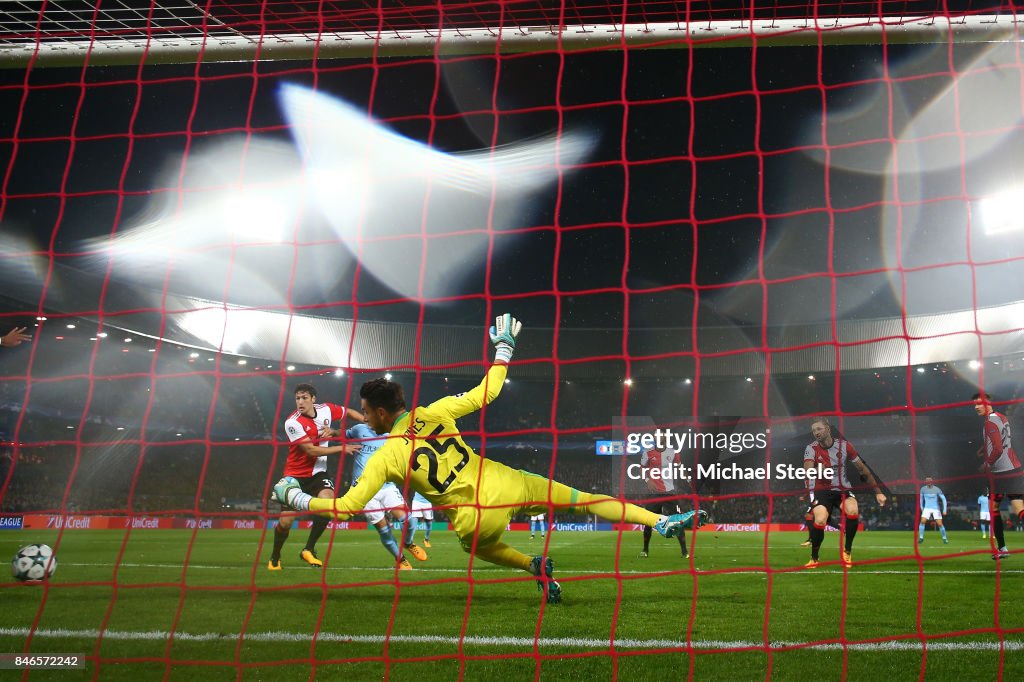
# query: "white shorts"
[[985, 516], [387, 498], [538, 517], [931, 515], [423, 511]]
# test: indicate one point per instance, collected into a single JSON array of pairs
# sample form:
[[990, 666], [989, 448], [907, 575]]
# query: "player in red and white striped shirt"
[[1006, 476], [307, 461], [838, 454]]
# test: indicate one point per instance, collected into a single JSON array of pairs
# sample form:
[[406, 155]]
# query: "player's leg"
[[543, 567], [539, 489], [669, 508], [501, 554], [479, 532], [387, 538], [851, 516], [1016, 510], [320, 486], [920, 528], [821, 511], [393, 501], [281, 530], [428, 521], [533, 527], [997, 525], [410, 546], [648, 532], [377, 517], [942, 529], [983, 524], [412, 524], [654, 507], [808, 522]]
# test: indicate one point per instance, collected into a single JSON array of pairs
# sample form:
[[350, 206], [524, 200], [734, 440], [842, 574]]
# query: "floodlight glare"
[[1001, 213]]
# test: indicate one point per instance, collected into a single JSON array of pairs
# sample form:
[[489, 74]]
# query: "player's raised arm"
[[315, 451], [503, 335]]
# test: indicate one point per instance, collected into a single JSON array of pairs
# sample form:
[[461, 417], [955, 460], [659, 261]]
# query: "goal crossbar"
[[229, 46]]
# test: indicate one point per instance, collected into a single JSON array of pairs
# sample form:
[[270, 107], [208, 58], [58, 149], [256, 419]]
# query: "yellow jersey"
[[425, 447]]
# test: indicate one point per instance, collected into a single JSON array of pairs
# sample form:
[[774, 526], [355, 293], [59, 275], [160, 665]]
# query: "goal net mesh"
[[204, 205]]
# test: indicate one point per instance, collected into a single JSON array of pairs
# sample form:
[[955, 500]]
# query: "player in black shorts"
[[307, 429], [837, 455], [666, 508], [312, 485]]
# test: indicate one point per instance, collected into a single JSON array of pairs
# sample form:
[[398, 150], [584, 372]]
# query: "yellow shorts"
[[519, 492]]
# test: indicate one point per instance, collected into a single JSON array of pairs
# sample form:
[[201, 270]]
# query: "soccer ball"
[[33, 563]]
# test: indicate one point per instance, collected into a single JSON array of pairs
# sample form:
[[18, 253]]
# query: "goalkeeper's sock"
[[942, 529], [817, 537], [501, 554], [315, 531], [851, 531], [611, 509], [920, 532], [648, 532], [388, 540], [997, 529], [682, 543], [280, 536]]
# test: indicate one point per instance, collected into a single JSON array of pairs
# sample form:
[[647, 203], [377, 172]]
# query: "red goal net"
[[716, 220]]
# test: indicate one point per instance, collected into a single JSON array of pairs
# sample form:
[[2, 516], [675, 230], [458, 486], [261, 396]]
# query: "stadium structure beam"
[[224, 45]]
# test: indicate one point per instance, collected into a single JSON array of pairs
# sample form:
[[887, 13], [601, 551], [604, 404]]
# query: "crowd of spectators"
[[172, 431]]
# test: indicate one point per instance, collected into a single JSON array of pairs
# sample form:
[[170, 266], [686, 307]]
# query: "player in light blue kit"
[[387, 501], [537, 523], [422, 511], [984, 515], [930, 497]]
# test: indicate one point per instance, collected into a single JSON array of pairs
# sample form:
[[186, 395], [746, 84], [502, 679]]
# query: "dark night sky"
[[734, 185]]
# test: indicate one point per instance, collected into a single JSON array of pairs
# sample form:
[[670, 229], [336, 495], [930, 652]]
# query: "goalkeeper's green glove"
[[503, 335]]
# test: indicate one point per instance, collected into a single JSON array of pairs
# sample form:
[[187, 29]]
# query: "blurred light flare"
[[1003, 213], [419, 220]]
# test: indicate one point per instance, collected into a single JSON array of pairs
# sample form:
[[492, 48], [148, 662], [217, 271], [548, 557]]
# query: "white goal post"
[[224, 44]]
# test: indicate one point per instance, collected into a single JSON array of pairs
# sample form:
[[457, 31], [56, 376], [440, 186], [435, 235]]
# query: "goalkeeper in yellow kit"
[[479, 495]]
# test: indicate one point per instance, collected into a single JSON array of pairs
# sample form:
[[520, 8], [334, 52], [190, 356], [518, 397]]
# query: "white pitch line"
[[682, 567], [524, 642]]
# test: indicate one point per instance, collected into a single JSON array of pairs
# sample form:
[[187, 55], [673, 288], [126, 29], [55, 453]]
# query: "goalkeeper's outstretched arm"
[[503, 335], [383, 466]]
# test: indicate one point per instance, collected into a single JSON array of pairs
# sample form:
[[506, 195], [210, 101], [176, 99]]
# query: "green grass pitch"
[[723, 616]]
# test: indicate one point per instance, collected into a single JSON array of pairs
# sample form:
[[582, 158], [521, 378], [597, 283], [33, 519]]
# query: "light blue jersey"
[[420, 501], [983, 503], [371, 443], [930, 496]]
